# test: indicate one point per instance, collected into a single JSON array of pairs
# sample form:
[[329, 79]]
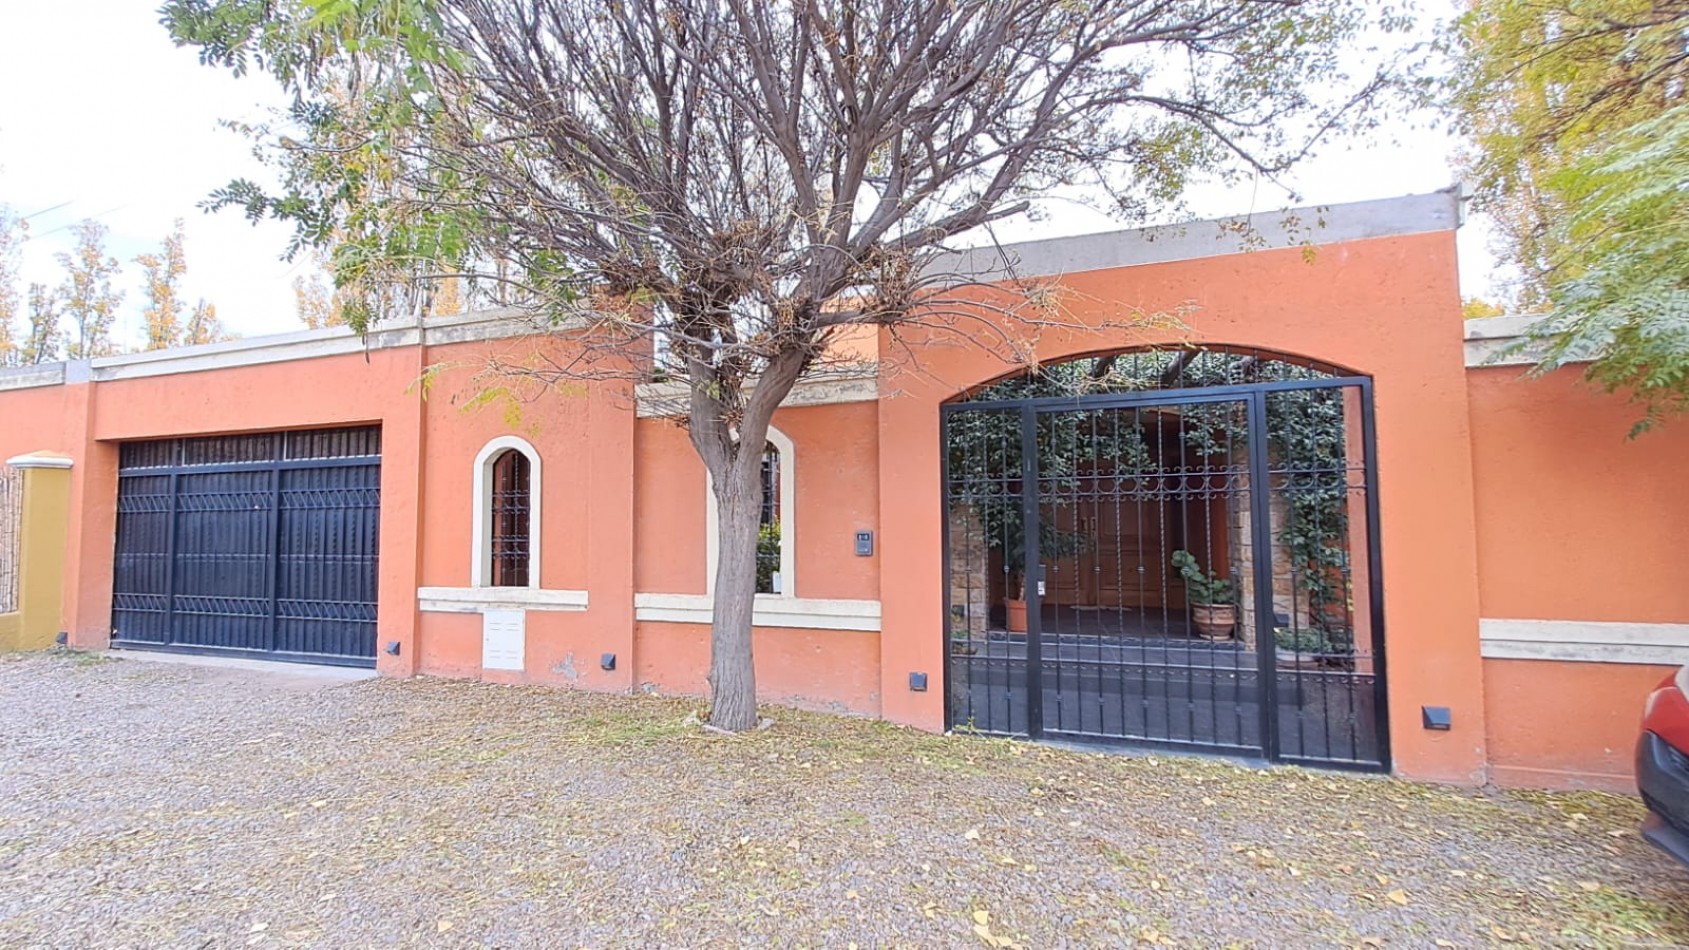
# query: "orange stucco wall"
[[1566, 725], [1498, 498], [837, 457], [828, 670], [1386, 307], [1575, 521]]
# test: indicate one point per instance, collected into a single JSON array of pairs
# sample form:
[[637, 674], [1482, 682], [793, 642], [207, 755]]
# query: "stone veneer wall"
[[970, 588], [1240, 525]]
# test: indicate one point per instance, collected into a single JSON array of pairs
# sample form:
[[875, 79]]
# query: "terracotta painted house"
[[1315, 525]]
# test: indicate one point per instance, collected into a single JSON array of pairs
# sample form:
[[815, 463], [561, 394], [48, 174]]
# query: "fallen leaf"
[[1398, 896], [443, 926], [972, 834], [982, 917]]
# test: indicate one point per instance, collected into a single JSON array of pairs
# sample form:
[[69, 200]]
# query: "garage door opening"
[[262, 545]]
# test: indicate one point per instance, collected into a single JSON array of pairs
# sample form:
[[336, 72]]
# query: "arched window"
[[510, 520], [507, 515], [769, 576], [777, 527]]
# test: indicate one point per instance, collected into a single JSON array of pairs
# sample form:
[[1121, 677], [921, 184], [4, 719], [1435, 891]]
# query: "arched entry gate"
[[1169, 547]]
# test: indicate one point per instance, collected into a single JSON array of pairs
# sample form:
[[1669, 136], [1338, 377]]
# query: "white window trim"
[[788, 519], [481, 526]]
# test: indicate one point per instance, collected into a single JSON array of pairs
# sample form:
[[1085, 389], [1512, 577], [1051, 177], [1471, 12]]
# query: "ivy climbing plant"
[[1307, 446]]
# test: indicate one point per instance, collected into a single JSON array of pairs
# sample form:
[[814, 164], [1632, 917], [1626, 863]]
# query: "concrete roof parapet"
[[40, 460]]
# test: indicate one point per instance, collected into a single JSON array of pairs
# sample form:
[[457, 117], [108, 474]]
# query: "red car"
[[1662, 766]]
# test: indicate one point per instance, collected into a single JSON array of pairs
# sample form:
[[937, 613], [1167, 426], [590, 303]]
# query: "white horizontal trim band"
[[770, 611], [473, 600], [1585, 641]]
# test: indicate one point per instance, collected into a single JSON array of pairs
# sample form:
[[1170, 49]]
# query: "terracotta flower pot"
[[1214, 621], [1016, 615]]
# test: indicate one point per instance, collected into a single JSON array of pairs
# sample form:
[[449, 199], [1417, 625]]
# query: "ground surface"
[[152, 805]]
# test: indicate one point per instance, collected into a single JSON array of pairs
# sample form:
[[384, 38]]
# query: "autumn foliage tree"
[[87, 296], [1578, 113], [204, 326], [13, 230], [733, 183], [163, 311], [44, 339], [167, 324]]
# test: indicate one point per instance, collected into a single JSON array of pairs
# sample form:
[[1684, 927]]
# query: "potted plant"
[[1007, 533], [1212, 600], [1299, 647]]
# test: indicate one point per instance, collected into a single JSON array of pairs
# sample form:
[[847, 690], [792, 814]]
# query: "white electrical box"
[[503, 636]]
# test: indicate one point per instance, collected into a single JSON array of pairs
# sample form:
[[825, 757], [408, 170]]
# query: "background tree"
[[13, 231], [166, 325], [46, 336], [203, 326], [315, 302], [1478, 308], [89, 300], [164, 270], [1579, 115], [731, 184]]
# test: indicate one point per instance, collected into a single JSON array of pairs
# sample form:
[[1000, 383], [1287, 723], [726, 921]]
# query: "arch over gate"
[[1171, 546]]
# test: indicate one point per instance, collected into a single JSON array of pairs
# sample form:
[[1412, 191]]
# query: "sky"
[[105, 118]]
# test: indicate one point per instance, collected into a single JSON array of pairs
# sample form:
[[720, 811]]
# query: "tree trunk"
[[733, 687]]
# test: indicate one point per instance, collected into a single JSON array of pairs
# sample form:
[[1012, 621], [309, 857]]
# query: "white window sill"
[[472, 600], [770, 610]]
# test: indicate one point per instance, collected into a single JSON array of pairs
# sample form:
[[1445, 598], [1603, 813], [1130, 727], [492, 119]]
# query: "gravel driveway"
[[144, 804]]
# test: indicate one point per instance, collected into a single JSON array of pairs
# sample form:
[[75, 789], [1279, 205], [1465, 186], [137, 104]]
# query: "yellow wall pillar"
[[41, 552]]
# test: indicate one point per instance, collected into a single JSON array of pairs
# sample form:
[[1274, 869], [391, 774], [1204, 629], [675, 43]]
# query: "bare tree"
[[723, 186]]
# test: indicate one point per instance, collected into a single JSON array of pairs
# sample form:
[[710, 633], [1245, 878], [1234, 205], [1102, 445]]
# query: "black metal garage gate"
[[262, 544], [1169, 548]]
